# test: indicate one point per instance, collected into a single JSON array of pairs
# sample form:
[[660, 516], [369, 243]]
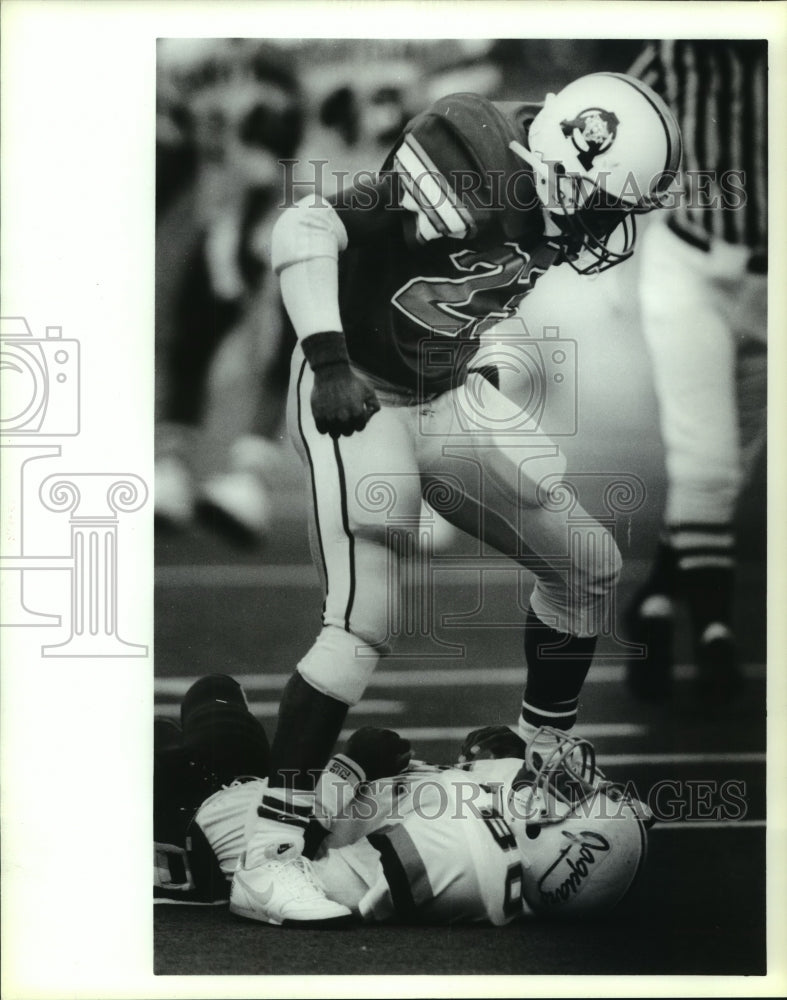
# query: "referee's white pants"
[[367, 487], [705, 323]]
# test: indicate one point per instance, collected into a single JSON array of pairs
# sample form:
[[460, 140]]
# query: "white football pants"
[[468, 452], [705, 323]]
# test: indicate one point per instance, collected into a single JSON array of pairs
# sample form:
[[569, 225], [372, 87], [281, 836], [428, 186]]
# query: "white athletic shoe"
[[173, 491], [284, 893], [236, 504]]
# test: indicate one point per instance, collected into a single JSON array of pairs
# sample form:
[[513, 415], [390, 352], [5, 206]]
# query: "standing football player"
[[389, 287]]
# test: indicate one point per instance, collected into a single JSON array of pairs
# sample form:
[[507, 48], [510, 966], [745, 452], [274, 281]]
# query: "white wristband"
[[336, 788]]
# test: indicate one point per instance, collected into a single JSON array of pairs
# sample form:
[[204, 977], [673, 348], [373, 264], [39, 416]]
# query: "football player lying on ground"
[[503, 833], [390, 287]]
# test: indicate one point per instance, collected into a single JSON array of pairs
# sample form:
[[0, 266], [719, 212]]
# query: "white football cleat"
[[236, 504], [284, 893], [173, 491]]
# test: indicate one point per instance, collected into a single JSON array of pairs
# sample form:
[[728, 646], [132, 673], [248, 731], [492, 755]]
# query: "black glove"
[[380, 752], [341, 401], [491, 743]]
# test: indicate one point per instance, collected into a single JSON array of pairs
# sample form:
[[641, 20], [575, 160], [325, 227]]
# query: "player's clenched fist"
[[380, 752], [341, 401]]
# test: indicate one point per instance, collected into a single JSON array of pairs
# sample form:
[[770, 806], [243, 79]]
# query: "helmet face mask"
[[597, 236], [603, 148], [559, 773]]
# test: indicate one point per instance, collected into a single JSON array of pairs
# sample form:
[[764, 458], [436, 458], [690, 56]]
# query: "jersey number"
[[447, 306], [512, 900], [506, 841]]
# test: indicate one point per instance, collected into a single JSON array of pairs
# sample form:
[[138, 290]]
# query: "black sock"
[[708, 592], [557, 664], [663, 573], [308, 727], [705, 560]]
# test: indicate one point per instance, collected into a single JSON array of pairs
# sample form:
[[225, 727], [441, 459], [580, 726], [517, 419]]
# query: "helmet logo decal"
[[567, 875], [592, 132]]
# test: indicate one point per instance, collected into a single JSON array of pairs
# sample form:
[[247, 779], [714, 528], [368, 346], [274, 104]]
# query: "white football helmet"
[[606, 146], [582, 839]]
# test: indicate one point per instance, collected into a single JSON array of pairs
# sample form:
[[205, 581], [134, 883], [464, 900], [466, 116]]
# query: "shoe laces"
[[300, 878]]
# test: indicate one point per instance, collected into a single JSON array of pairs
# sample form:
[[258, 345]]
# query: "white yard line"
[[435, 677], [614, 673], [269, 709], [627, 759], [459, 732], [452, 570], [284, 575], [710, 824]]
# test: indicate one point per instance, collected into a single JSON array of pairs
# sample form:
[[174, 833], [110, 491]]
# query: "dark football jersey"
[[453, 242]]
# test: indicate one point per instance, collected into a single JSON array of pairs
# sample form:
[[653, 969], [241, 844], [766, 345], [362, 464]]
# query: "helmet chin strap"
[[540, 170], [533, 160], [551, 228], [550, 177]]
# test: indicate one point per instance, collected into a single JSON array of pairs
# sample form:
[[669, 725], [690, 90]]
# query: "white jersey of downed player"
[[431, 842], [462, 844]]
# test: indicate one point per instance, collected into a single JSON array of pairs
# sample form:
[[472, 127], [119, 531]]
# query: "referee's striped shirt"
[[718, 92]]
